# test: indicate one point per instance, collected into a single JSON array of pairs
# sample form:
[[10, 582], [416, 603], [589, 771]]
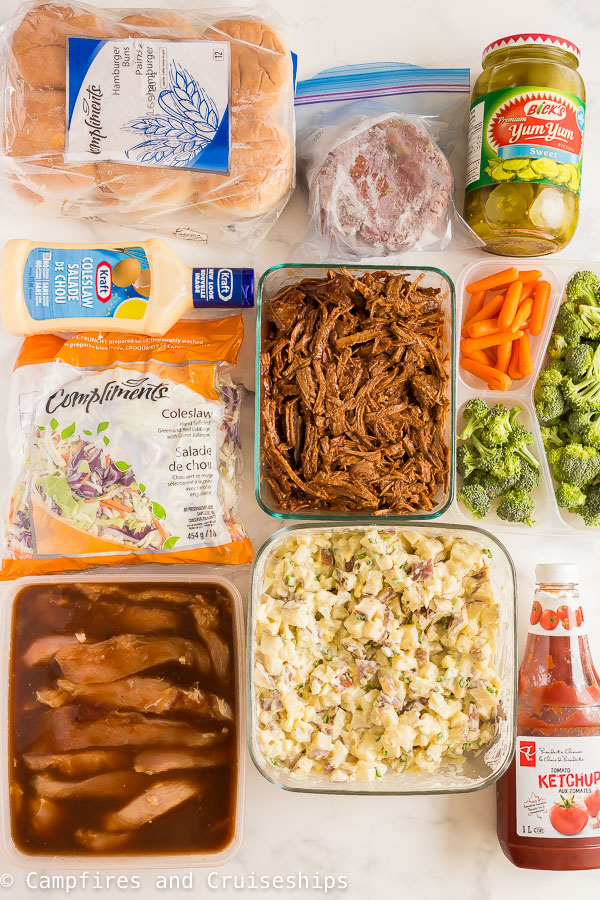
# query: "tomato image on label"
[[579, 617], [566, 616], [592, 802], [549, 620], [568, 816], [536, 613]]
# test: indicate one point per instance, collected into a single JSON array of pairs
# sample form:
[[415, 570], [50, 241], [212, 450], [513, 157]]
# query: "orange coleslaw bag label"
[[124, 449]]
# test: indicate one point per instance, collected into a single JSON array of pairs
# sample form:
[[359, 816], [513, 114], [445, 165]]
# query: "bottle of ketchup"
[[548, 802]]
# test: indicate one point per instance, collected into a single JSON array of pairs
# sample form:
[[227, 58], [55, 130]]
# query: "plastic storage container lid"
[[556, 573], [520, 40]]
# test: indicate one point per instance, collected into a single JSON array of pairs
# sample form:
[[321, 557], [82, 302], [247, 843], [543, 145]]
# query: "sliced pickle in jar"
[[508, 203], [545, 168], [515, 165], [553, 209]]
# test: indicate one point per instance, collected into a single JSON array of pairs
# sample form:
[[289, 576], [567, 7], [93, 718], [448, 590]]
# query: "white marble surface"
[[382, 846]]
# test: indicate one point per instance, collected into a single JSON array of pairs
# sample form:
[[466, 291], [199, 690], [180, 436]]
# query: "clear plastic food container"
[[272, 281], [477, 771], [547, 514], [130, 861]]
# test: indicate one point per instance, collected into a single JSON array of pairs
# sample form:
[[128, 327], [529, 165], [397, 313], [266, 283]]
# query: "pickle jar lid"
[[556, 573], [520, 40]]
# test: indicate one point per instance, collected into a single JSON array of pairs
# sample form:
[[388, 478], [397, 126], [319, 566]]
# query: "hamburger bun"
[[260, 172], [39, 44], [261, 68], [161, 25], [143, 187]]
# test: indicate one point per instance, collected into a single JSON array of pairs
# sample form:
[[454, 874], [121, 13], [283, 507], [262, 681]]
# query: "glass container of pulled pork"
[[355, 392]]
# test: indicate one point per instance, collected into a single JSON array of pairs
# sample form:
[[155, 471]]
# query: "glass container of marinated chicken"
[[123, 713], [382, 658], [355, 392]]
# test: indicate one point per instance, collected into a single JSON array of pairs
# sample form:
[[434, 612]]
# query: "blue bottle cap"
[[223, 288]]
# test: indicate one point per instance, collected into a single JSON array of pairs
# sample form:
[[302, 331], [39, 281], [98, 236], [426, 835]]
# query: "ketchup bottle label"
[[558, 787], [558, 619]]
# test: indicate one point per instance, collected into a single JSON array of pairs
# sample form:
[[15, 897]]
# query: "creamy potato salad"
[[375, 653]]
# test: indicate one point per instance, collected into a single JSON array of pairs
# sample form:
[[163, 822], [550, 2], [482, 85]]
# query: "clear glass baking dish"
[[478, 771], [130, 861], [271, 282]]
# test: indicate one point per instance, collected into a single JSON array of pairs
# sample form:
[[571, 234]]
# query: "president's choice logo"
[[527, 755]]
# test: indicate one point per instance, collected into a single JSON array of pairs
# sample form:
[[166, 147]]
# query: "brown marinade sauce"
[[86, 825]]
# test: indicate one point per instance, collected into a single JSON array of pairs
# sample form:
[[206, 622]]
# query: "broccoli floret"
[[557, 346], [487, 456], [494, 487], [557, 366], [466, 460], [528, 479], [578, 360], [554, 457], [475, 413], [559, 433], [591, 508], [497, 427], [518, 443], [590, 319], [569, 496], [475, 499], [577, 464], [583, 287], [591, 432], [508, 469], [516, 506], [549, 403], [581, 395], [578, 421]]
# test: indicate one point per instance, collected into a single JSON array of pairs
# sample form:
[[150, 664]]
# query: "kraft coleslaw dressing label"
[[526, 134], [557, 780], [219, 287], [149, 102], [63, 283]]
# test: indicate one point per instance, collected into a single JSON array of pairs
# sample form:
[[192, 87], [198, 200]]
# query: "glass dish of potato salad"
[[382, 659]]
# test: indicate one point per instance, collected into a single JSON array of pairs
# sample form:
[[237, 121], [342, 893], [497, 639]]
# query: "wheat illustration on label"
[[187, 125]]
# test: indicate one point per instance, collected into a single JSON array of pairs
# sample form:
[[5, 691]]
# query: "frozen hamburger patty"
[[382, 188]]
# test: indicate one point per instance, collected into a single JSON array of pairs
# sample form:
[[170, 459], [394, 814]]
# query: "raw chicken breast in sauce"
[[123, 719]]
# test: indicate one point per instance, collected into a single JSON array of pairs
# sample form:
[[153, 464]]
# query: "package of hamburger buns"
[[380, 157], [176, 122]]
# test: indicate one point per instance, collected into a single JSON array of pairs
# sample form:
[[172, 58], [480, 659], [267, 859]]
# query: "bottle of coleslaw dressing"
[[140, 287], [548, 803]]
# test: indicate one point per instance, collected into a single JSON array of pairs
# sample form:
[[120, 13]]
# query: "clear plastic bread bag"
[[177, 122], [379, 154]]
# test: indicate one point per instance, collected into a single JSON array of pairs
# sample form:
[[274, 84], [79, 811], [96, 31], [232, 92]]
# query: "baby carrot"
[[480, 356], [489, 340], [528, 290], [510, 305], [484, 326], [540, 305], [475, 303], [529, 275], [491, 309], [513, 368], [486, 373], [499, 279], [525, 361], [522, 314], [503, 354]]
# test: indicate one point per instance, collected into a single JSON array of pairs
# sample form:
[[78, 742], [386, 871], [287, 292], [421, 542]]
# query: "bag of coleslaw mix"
[[125, 449]]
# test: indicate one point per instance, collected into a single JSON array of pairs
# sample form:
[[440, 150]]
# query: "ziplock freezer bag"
[[124, 450], [374, 143], [178, 122]]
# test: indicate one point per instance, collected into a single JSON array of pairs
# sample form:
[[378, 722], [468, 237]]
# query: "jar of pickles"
[[525, 145]]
